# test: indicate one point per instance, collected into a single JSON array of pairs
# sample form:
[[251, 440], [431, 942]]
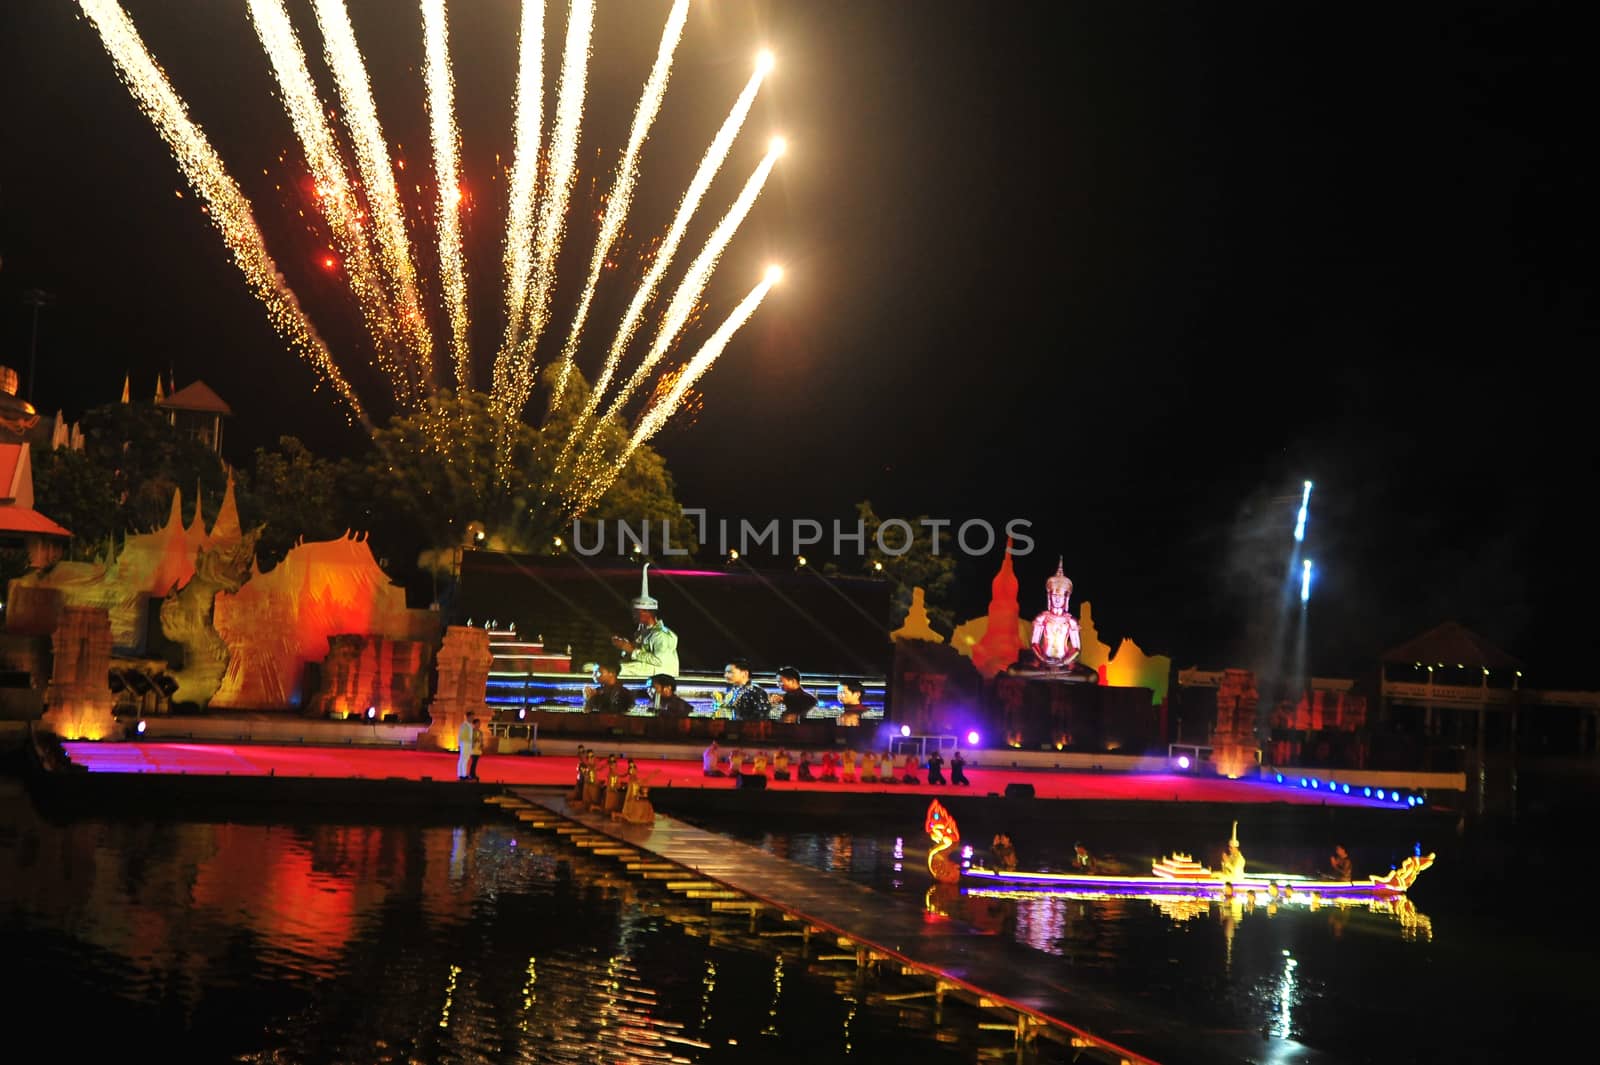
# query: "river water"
[[305, 941]]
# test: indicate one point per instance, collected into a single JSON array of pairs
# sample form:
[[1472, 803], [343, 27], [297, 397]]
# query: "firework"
[[524, 182], [710, 163], [664, 408], [335, 199], [377, 175], [446, 147], [621, 198], [229, 210]]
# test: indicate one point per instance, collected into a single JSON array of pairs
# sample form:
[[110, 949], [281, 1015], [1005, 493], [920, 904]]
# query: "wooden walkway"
[[1035, 991]]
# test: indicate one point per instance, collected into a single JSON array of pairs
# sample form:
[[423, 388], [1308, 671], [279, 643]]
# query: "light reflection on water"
[[275, 943]]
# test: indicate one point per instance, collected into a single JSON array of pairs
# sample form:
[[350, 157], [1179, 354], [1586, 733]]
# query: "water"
[[315, 942], [1475, 966]]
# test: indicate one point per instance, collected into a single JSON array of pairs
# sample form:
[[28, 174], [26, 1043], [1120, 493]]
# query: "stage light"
[[1411, 800], [764, 61], [522, 714], [877, 567], [733, 556], [1380, 793], [1395, 795], [800, 561], [905, 730], [1302, 782], [560, 542], [372, 713], [777, 146], [139, 728], [1305, 580], [1367, 792], [972, 738], [1421, 800], [1183, 761], [1345, 788], [1279, 778], [1315, 784]]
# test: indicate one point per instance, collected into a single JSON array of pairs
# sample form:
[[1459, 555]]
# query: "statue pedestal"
[[462, 666]]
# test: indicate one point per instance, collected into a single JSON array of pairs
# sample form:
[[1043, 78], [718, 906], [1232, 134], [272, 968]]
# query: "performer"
[[958, 770], [464, 746], [654, 647], [935, 767], [664, 698], [1343, 868], [1232, 866], [1082, 860], [744, 699], [850, 692], [637, 808], [607, 694], [796, 702], [1005, 855]]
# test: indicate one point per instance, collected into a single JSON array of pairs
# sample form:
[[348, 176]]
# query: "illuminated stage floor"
[[219, 759]]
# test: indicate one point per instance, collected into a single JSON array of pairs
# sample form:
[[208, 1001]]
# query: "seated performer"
[[958, 770], [803, 770], [709, 759], [935, 768], [1341, 865], [607, 694], [847, 766], [637, 808], [759, 767], [1082, 860], [654, 647], [575, 796], [664, 698], [1005, 855], [869, 767], [795, 701], [616, 788], [780, 765], [908, 772], [830, 773], [744, 699], [850, 709]]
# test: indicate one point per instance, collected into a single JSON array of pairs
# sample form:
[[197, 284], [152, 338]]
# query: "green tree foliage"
[[123, 479], [296, 495], [918, 567]]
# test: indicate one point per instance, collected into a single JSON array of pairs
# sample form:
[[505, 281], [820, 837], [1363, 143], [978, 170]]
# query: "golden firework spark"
[[621, 198], [524, 182], [709, 165], [446, 149], [228, 208], [662, 410], [377, 175], [335, 199]]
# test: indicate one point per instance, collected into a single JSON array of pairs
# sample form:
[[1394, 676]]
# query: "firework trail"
[[699, 274], [446, 147], [524, 183], [372, 157], [621, 198], [663, 409], [335, 199], [229, 210], [709, 165], [561, 175]]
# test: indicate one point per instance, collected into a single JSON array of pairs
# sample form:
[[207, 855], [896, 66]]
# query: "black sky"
[[1127, 270]]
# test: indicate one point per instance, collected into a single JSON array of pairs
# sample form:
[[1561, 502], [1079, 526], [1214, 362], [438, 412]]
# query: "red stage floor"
[[557, 770]]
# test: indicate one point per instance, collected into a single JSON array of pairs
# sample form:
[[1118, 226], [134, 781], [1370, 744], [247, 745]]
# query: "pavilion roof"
[[196, 396], [1453, 644]]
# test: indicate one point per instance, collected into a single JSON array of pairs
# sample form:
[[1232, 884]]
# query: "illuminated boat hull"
[[1265, 885]]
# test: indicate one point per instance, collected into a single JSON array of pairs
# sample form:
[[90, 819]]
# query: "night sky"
[[1130, 271]]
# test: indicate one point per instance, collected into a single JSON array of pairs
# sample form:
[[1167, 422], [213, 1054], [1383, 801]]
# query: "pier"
[[1026, 993]]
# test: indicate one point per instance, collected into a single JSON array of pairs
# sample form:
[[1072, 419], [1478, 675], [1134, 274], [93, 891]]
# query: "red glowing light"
[[329, 262]]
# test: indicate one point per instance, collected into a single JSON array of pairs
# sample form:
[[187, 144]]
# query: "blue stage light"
[[1300, 520], [139, 728], [1305, 580], [1302, 782], [1315, 784], [1411, 800], [1380, 793], [1345, 788], [972, 738], [1183, 761], [1280, 778], [905, 730], [1395, 796], [1367, 792], [1332, 786]]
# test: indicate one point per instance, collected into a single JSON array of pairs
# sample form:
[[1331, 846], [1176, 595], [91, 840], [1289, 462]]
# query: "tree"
[[123, 479], [297, 495], [918, 566]]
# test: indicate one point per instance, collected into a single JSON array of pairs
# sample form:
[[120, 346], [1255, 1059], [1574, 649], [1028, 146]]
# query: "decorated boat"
[[1174, 875]]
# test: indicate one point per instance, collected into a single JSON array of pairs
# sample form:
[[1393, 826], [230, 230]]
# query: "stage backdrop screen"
[[800, 618]]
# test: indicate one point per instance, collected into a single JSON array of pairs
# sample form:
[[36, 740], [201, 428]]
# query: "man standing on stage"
[[654, 647]]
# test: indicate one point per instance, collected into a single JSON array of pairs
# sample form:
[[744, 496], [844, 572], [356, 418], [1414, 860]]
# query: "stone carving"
[[78, 700], [187, 615], [462, 665], [280, 621]]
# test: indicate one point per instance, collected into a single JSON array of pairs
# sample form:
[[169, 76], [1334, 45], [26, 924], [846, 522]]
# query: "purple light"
[[972, 738], [905, 730], [139, 728], [1183, 761]]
